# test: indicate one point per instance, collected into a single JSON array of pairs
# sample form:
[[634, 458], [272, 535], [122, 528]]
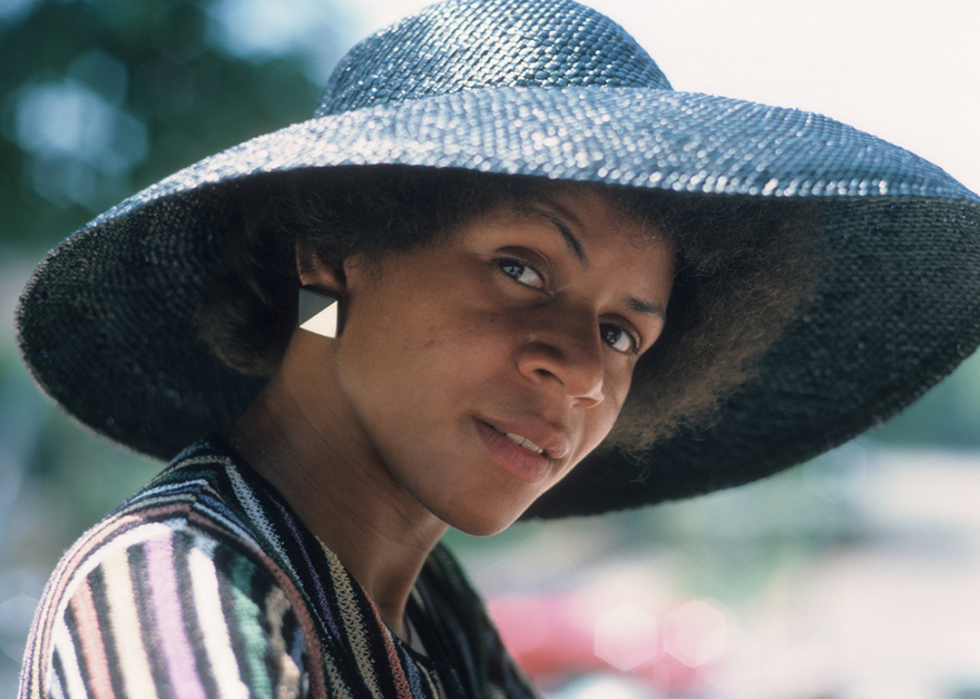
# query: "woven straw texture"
[[554, 89]]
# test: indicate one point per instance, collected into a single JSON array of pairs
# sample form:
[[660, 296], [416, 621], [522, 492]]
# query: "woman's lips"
[[522, 464]]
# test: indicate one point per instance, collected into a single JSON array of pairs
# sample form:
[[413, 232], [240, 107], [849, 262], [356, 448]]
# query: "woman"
[[506, 271]]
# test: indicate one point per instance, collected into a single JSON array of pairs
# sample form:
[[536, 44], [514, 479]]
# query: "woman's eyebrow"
[[646, 307], [574, 246]]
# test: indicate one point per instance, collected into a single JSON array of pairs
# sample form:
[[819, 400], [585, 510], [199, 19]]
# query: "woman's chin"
[[483, 523], [485, 528]]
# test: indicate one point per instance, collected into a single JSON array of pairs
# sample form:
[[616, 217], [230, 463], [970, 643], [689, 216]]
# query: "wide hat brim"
[[107, 323]]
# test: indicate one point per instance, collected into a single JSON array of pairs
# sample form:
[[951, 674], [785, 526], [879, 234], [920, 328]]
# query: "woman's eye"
[[521, 272], [619, 339]]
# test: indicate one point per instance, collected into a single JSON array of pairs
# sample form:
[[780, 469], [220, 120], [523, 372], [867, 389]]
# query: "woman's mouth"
[[514, 454], [522, 442]]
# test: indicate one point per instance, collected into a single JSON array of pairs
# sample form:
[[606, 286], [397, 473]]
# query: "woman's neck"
[[340, 489]]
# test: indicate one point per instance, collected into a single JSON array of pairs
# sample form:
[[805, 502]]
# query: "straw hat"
[[107, 323]]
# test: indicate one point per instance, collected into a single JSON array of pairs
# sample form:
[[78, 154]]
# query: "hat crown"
[[472, 44]]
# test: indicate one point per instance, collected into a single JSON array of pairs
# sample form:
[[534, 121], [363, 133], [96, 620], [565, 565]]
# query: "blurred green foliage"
[[152, 68], [98, 99]]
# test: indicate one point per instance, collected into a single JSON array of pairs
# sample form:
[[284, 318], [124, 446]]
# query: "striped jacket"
[[205, 584]]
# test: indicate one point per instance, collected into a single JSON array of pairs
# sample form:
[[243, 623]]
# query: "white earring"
[[319, 311]]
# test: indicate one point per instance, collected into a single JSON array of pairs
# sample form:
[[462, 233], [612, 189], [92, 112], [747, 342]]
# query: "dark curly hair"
[[743, 267]]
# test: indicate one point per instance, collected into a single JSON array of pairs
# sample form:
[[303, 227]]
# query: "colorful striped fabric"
[[205, 584]]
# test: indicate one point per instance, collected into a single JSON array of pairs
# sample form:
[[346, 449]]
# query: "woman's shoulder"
[[204, 489], [182, 567], [204, 504], [201, 499]]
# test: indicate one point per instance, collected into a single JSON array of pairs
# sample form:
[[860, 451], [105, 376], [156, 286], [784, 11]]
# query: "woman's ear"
[[313, 271], [321, 294]]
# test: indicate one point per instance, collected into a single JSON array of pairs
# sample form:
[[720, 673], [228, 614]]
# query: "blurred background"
[[854, 576]]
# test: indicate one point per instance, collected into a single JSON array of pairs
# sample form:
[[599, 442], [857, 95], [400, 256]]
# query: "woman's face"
[[483, 370]]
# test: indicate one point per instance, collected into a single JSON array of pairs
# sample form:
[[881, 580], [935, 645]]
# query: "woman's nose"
[[567, 353]]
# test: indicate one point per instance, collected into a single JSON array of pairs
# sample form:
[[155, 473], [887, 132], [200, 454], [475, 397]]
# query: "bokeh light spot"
[[694, 633], [627, 637]]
